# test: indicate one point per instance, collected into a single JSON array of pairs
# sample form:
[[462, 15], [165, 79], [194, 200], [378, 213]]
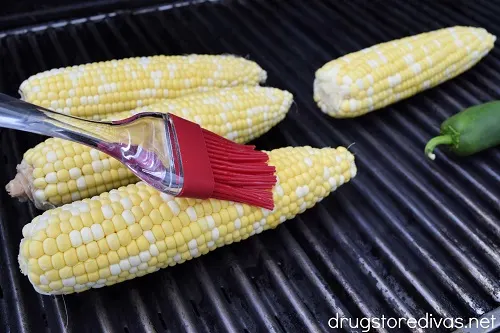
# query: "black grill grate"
[[405, 238]]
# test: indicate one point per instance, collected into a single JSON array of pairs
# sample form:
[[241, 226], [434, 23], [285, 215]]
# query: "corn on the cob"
[[375, 77], [136, 230], [96, 89], [58, 171]]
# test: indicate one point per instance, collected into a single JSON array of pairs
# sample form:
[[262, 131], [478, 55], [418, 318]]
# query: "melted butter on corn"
[[372, 78], [136, 230], [96, 89], [62, 171]]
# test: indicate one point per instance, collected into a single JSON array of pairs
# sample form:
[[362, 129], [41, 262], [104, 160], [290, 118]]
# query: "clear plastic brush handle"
[[146, 143]]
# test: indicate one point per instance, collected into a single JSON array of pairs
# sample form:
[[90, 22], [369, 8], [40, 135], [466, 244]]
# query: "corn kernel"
[[113, 258], [63, 242], [36, 249], [142, 243], [93, 250], [90, 266], [81, 253], [104, 273], [122, 253], [124, 237], [113, 242], [45, 263], [158, 232], [119, 223], [133, 249], [56, 285], [108, 227], [70, 257], [53, 230], [34, 267], [146, 223], [103, 245], [65, 272], [82, 279], [102, 261], [94, 275], [52, 275]]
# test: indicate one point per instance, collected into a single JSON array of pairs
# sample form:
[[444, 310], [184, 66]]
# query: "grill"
[[407, 237]]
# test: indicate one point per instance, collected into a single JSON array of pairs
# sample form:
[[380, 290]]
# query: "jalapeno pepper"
[[470, 131]]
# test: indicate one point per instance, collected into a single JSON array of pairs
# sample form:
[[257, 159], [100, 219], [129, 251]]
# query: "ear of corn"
[[375, 77], [136, 230], [57, 171], [96, 89]]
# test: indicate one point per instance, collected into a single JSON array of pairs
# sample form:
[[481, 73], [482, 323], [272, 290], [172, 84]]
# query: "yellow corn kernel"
[[383, 74], [103, 246], [124, 237], [158, 232], [93, 276], [49, 246], [56, 285], [79, 269], [133, 249], [70, 257], [146, 223], [142, 243], [63, 242], [81, 253], [108, 227], [135, 230], [93, 250], [66, 272], [52, 275], [122, 253], [34, 267], [113, 242], [45, 263], [82, 279], [36, 249], [90, 266]]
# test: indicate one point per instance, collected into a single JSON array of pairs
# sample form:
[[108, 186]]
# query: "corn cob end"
[[23, 187]]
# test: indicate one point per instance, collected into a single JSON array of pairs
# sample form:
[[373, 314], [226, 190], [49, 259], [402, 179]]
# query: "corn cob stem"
[[57, 171], [375, 77], [136, 230], [96, 89]]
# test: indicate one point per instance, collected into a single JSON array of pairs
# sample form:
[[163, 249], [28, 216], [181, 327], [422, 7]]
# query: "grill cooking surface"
[[406, 237]]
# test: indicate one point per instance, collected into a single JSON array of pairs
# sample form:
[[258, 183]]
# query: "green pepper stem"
[[438, 140]]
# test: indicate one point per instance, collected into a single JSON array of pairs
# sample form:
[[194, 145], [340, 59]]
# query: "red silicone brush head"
[[218, 168], [241, 173]]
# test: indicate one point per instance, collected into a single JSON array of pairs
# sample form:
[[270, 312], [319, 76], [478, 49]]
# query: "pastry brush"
[[169, 153]]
